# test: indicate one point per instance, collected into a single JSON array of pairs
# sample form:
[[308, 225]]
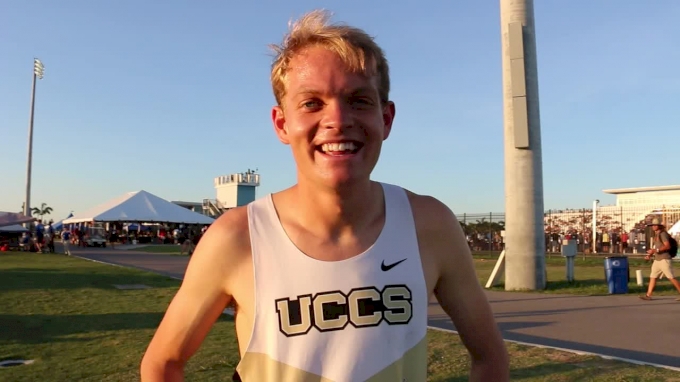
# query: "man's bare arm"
[[202, 297], [460, 294]]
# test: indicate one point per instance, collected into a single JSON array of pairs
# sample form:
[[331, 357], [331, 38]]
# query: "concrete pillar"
[[525, 237]]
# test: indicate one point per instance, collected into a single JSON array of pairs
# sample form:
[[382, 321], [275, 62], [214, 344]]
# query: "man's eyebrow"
[[363, 90], [355, 91], [307, 91]]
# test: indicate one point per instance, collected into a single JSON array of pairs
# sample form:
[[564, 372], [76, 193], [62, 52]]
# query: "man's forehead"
[[324, 82], [322, 71]]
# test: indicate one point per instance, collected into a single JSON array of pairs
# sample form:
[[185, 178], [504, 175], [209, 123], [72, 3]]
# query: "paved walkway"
[[617, 326]]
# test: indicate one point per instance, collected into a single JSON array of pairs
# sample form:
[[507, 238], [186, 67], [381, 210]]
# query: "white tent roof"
[[140, 206], [13, 228], [675, 230]]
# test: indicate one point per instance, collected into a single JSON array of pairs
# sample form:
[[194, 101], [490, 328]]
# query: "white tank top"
[[360, 319]]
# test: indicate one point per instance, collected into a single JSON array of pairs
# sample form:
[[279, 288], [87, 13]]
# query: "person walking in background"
[[49, 237], [662, 265], [66, 240]]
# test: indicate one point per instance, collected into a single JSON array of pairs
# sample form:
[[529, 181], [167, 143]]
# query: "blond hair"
[[355, 48]]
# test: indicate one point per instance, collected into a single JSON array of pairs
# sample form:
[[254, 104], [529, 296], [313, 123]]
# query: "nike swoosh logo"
[[386, 268]]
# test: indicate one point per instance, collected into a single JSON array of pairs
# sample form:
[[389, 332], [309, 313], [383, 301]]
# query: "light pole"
[[524, 230], [595, 203], [38, 70]]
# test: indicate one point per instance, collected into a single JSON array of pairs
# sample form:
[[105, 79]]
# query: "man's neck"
[[334, 212]]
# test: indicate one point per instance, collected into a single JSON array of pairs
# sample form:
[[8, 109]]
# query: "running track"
[[618, 326]]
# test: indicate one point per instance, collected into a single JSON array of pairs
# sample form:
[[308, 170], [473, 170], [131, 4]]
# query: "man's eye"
[[362, 103], [313, 104]]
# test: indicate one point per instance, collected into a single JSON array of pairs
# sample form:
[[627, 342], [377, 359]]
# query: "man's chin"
[[339, 181]]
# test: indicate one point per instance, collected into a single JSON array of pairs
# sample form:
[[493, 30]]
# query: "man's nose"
[[337, 115]]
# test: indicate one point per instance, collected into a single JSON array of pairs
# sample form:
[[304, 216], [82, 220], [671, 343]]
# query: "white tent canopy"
[[140, 206], [13, 228], [675, 230]]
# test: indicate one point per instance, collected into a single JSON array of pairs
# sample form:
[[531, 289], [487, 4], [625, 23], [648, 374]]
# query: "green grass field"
[[65, 314], [588, 273]]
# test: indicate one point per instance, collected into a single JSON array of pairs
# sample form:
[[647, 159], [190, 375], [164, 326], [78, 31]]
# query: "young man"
[[331, 278], [66, 240], [40, 236], [662, 264]]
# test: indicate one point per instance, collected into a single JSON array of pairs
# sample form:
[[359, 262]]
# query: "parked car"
[[96, 237]]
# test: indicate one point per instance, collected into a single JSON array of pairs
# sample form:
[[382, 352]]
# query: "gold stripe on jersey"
[[412, 367], [259, 367]]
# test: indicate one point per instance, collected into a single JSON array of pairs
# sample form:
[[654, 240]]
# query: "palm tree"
[[41, 211]]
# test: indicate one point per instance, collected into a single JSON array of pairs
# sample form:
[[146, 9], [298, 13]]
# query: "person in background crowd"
[[50, 240], [39, 235], [113, 238]]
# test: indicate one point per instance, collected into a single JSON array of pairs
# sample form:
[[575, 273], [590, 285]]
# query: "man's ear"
[[388, 113], [279, 121]]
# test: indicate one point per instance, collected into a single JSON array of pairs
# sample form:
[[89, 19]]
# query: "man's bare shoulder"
[[440, 235], [231, 228], [431, 215], [226, 243]]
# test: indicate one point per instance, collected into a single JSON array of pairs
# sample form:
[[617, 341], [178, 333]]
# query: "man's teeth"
[[335, 147]]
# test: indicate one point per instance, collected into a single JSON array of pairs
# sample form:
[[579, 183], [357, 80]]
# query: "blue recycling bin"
[[617, 274]]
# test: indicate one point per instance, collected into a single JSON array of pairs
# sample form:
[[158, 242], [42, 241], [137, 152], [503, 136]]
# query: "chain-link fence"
[[483, 231]]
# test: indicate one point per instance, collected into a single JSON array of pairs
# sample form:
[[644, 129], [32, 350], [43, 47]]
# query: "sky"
[[164, 98]]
